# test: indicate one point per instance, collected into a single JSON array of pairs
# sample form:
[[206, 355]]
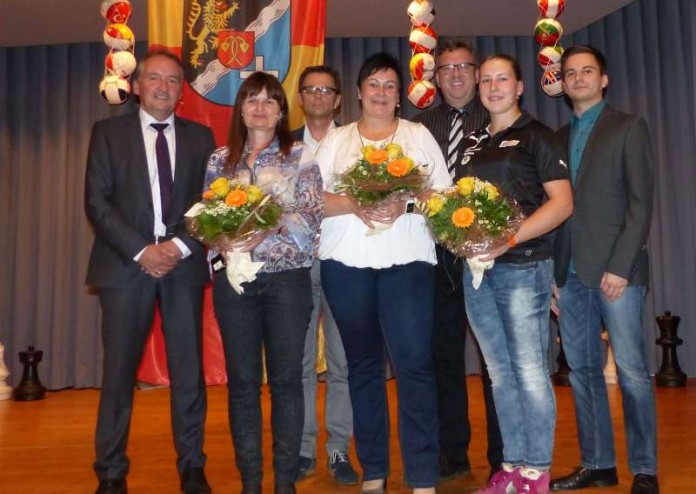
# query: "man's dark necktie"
[[164, 170], [455, 137]]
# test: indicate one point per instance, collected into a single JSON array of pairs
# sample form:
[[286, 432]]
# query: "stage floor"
[[46, 447]]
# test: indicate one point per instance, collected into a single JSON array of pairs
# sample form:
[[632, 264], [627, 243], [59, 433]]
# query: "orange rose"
[[208, 194], [236, 198], [398, 168], [377, 157], [463, 217]]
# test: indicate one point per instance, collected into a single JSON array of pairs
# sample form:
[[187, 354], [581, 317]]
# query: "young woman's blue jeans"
[[509, 314], [272, 314], [583, 310], [380, 310]]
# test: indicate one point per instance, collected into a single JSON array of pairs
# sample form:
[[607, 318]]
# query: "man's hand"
[[555, 296], [612, 286], [158, 260]]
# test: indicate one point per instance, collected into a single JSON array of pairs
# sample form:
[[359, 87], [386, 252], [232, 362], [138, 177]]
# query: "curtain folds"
[[49, 100]]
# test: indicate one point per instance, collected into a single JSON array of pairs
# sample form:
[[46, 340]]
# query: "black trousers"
[[126, 319], [449, 344]]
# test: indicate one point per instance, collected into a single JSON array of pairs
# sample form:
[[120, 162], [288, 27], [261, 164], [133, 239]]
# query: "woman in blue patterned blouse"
[[273, 311]]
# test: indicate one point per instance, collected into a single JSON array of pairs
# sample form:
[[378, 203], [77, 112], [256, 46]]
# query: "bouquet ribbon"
[[477, 267], [240, 269]]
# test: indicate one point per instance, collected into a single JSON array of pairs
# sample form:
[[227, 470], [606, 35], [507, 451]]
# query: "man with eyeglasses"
[[320, 97], [601, 269], [459, 114]]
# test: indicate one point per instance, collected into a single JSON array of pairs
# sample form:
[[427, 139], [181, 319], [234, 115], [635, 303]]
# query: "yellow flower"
[[400, 167], [463, 217], [394, 151], [254, 194], [368, 150], [236, 197], [465, 185], [491, 191], [435, 204], [221, 187]]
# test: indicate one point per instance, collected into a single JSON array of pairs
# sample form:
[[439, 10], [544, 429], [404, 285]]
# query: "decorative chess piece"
[[30, 387], [5, 390], [670, 375]]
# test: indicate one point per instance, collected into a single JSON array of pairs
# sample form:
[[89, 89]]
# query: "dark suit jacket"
[[118, 199], [613, 197], [298, 134]]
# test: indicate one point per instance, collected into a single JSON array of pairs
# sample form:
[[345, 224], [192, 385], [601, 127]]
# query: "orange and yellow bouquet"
[[472, 218], [230, 210], [381, 173]]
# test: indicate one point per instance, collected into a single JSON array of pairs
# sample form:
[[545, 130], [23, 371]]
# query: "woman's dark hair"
[[377, 62], [253, 85], [516, 70]]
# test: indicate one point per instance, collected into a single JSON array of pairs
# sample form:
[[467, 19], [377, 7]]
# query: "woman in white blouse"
[[380, 286]]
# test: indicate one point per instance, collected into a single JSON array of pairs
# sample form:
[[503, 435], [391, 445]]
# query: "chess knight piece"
[[670, 375], [30, 387], [5, 390]]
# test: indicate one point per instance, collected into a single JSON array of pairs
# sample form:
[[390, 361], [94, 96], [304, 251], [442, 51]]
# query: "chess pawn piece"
[[5, 390], [670, 374], [30, 387]]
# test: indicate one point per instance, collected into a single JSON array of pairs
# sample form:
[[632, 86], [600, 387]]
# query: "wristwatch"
[[410, 206]]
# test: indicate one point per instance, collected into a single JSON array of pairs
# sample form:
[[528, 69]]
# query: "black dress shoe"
[[193, 481], [284, 489], [450, 469], [586, 477], [251, 489], [645, 484], [112, 486]]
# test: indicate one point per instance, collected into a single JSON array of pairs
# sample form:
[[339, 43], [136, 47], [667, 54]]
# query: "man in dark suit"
[[459, 114], [144, 170], [319, 93], [601, 266]]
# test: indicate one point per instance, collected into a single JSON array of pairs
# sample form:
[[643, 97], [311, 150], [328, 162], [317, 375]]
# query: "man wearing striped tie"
[[457, 115]]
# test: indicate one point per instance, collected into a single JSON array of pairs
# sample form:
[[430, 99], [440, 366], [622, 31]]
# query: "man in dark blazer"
[[601, 269], [319, 93], [142, 257]]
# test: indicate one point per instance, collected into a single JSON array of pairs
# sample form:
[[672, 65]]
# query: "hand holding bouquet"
[[233, 218], [381, 174], [472, 219]]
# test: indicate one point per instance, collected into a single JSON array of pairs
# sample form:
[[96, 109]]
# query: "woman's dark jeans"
[[272, 315]]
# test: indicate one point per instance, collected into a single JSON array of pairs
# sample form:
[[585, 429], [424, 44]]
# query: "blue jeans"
[[272, 314], [337, 409], [583, 310], [509, 314], [380, 310]]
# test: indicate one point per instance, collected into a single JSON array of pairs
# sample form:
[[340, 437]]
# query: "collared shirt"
[[518, 160], [150, 140], [295, 181], [438, 121], [309, 139], [580, 130]]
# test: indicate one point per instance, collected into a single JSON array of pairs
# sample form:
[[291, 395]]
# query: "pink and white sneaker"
[[502, 482], [531, 481]]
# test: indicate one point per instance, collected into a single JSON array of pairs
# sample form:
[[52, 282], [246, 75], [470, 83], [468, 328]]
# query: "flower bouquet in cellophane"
[[230, 214], [381, 174], [472, 219]]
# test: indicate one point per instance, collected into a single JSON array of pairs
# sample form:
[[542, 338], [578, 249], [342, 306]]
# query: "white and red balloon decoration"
[[120, 62], [547, 33], [421, 92]]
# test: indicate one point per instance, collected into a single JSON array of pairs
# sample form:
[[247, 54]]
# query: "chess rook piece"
[[5, 390], [30, 387], [670, 375]]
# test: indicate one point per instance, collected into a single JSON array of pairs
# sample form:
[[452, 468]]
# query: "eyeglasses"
[[323, 90], [466, 67]]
